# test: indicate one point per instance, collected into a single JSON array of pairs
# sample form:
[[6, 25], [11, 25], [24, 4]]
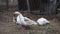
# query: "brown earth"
[[7, 26]]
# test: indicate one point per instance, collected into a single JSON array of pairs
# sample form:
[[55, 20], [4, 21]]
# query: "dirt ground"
[[7, 26]]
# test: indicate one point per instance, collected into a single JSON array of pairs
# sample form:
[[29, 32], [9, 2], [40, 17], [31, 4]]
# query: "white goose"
[[42, 21], [20, 19]]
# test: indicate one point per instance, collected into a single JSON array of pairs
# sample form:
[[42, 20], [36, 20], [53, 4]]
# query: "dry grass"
[[7, 26]]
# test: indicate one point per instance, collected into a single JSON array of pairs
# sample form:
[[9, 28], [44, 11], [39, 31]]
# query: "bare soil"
[[7, 26]]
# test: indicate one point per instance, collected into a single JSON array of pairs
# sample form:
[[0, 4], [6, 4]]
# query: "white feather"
[[29, 21], [42, 21], [24, 20]]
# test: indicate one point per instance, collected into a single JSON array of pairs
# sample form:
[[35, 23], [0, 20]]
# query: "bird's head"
[[16, 13]]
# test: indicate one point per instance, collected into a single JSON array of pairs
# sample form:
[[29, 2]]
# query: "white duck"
[[20, 19], [42, 21]]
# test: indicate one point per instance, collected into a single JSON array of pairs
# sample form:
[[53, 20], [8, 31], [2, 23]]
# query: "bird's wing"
[[42, 21], [29, 21]]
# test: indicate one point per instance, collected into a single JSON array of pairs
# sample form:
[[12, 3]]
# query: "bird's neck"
[[20, 15]]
